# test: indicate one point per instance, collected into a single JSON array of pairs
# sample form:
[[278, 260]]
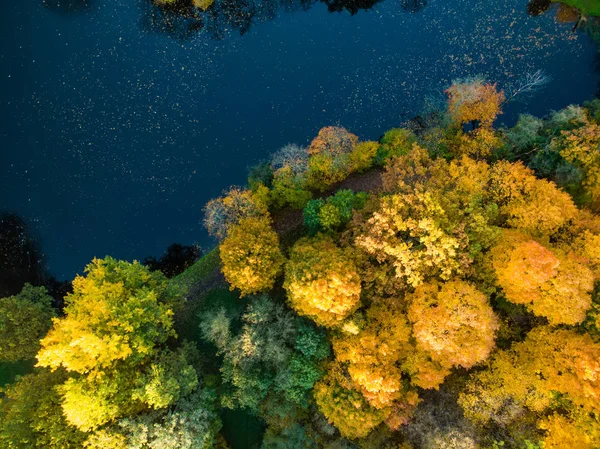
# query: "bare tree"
[[528, 84]]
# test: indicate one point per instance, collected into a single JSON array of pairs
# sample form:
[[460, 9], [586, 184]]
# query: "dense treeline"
[[437, 288]]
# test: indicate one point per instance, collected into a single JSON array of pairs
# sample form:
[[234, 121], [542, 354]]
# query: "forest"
[[438, 288]]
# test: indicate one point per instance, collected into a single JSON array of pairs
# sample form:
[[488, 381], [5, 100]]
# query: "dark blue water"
[[115, 132]]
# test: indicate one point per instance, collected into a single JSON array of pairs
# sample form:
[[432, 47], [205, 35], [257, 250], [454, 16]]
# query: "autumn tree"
[[550, 284], [407, 232], [345, 407], [533, 205], [553, 369], [111, 342], [251, 256], [474, 100], [24, 320], [453, 322], [289, 166], [329, 160], [373, 354], [31, 415], [220, 214], [322, 283], [580, 147]]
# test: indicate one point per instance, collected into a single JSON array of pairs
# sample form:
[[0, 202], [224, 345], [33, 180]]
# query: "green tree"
[[24, 320]]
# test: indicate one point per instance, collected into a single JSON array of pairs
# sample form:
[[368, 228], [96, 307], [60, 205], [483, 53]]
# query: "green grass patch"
[[200, 272], [9, 371], [587, 7]]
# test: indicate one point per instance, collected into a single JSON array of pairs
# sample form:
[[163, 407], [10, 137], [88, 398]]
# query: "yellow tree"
[[111, 341], [453, 322], [580, 146], [251, 256], [533, 205], [322, 283], [550, 284], [406, 231], [373, 353], [550, 364], [329, 160], [345, 407]]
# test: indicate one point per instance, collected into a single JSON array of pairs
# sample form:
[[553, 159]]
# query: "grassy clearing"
[[587, 7], [200, 273]]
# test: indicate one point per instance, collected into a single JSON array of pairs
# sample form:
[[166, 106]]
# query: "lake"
[[119, 123]]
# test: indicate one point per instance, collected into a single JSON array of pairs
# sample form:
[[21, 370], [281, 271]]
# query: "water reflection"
[[537, 7], [68, 7], [180, 19], [413, 6]]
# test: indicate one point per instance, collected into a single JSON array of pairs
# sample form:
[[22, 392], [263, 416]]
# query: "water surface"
[[118, 124]]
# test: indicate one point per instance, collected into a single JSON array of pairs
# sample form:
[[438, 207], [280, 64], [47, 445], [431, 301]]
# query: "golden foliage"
[[580, 146], [405, 232], [474, 101], [322, 283], [549, 361], [477, 144], [550, 284], [346, 408], [251, 256], [533, 205], [453, 322], [103, 324]]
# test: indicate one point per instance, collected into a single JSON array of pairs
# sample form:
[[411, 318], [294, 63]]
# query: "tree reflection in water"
[[183, 21]]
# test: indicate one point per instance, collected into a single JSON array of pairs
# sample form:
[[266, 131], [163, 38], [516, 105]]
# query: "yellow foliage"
[[477, 144], [362, 156], [405, 232], [580, 146], [424, 372], [373, 354], [203, 4], [251, 256], [562, 432], [103, 322], [552, 285], [533, 205], [549, 361], [453, 322], [346, 408], [322, 283]]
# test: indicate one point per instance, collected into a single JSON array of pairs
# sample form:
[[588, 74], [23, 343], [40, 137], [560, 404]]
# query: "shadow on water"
[[22, 260], [413, 6], [181, 20], [537, 7], [69, 7]]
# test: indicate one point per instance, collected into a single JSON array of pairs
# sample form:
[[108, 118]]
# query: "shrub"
[[395, 142]]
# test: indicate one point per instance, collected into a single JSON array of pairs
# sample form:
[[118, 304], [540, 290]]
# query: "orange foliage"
[[344, 407], [453, 322], [474, 101], [552, 285]]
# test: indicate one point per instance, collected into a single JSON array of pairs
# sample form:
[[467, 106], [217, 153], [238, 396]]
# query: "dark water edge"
[[116, 131]]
